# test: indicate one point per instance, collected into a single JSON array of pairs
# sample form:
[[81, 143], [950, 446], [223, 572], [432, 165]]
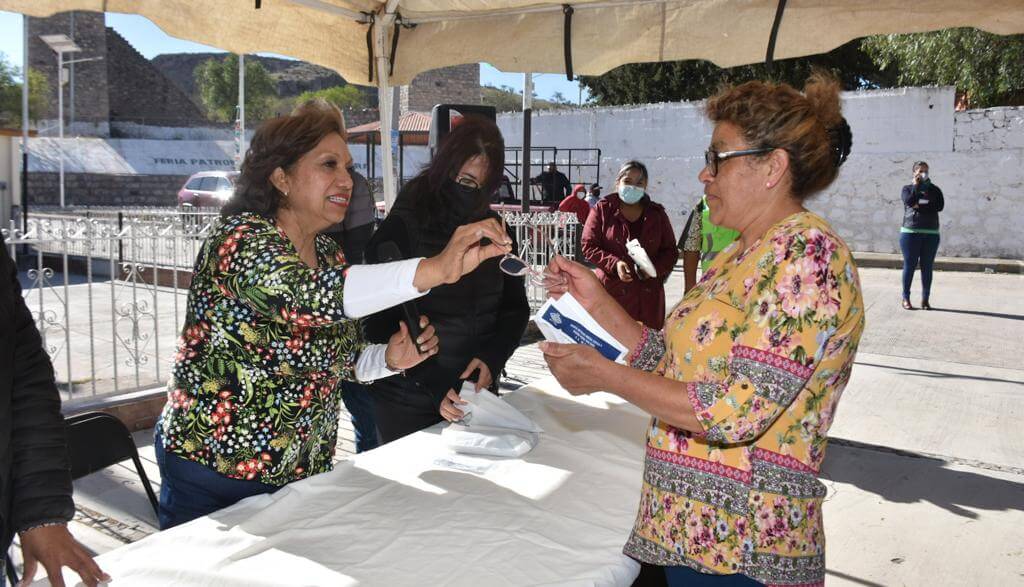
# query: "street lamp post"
[[61, 44]]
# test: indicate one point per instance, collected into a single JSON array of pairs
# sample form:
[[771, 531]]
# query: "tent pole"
[[524, 180], [385, 106]]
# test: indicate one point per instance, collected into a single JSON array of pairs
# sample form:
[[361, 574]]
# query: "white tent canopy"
[[357, 38], [528, 35]]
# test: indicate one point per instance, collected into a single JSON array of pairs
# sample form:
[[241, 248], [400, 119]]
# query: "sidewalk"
[[926, 468]]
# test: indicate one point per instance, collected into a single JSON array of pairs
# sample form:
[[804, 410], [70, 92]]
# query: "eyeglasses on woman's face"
[[713, 158], [467, 182]]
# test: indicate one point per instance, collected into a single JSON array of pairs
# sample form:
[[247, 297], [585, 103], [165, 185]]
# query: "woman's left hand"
[[401, 352], [484, 380], [578, 368]]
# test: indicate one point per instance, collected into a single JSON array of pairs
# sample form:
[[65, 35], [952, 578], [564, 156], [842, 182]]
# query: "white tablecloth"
[[413, 513]]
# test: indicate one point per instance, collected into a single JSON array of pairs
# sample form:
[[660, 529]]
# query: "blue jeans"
[[687, 577], [918, 249], [189, 490], [359, 403]]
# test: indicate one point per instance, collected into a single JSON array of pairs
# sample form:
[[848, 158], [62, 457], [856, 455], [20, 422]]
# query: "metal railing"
[[541, 236], [108, 291]]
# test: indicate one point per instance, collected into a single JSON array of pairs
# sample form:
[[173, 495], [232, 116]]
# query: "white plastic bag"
[[639, 255], [490, 427]]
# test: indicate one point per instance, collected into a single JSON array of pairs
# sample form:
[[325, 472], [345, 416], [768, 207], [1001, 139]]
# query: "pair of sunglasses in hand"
[[517, 267]]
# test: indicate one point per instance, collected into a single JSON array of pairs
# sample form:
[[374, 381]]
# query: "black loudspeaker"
[[442, 115]]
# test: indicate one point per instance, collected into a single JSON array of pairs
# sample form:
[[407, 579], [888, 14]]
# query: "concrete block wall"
[[459, 84], [94, 189]]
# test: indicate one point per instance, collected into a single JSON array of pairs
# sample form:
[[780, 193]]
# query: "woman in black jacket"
[[481, 317], [919, 236], [35, 476]]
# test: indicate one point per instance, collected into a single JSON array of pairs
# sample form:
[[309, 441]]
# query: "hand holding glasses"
[[516, 266]]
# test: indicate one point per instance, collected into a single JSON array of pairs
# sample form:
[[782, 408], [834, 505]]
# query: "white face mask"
[[631, 194], [924, 176]]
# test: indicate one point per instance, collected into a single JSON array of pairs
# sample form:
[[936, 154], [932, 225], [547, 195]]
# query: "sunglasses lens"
[[513, 266]]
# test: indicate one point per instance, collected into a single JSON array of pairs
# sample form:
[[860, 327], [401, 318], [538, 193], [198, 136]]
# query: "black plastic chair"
[[97, 440]]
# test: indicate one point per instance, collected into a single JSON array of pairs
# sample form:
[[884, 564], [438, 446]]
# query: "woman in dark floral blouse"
[[270, 331]]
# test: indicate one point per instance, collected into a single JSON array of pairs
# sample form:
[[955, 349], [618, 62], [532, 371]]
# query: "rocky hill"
[[292, 77]]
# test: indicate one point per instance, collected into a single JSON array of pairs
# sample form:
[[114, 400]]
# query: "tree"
[[505, 99], [10, 93], [217, 83], [341, 96], [987, 69], [672, 81]]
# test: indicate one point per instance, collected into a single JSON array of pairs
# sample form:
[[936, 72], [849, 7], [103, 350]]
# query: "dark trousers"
[[189, 490], [402, 407], [918, 249], [359, 403]]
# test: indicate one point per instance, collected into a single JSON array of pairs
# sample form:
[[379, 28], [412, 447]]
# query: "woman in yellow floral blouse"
[[270, 331], [744, 380]]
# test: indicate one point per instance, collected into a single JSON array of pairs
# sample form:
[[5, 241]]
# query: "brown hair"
[[280, 142], [809, 126], [630, 166]]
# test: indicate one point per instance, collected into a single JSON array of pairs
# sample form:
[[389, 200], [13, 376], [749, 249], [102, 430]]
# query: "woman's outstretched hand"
[[464, 253], [577, 280]]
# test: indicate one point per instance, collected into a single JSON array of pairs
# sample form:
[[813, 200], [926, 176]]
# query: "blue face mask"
[[631, 194]]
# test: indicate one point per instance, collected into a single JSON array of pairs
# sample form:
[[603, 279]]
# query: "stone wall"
[[990, 129], [140, 93], [92, 189], [976, 157], [458, 84], [87, 29]]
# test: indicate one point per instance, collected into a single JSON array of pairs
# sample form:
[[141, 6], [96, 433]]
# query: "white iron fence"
[[108, 288]]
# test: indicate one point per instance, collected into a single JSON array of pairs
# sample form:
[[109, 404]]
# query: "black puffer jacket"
[[35, 478], [483, 315], [928, 200]]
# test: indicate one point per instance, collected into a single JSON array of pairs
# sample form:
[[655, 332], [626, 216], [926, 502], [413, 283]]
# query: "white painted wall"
[[976, 157]]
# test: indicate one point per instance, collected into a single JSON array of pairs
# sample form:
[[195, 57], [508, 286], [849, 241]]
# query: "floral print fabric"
[[764, 346], [255, 385]]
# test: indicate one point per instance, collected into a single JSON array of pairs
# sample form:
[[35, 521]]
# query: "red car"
[[208, 189]]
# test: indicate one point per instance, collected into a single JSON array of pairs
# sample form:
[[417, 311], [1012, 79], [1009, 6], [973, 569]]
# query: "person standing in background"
[[919, 235], [594, 195], [700, 242], [630, 213], [554, 185]]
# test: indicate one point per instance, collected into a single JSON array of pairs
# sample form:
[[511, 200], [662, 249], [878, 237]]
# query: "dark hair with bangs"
[[472, 136], [280, 142]]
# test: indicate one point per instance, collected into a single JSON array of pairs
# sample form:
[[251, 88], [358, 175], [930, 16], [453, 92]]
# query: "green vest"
[[713, 238]]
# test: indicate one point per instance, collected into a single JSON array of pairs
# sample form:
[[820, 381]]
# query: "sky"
[[149, 40]]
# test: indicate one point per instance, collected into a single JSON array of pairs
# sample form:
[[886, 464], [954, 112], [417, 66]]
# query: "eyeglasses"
[[467, 182], [516, 266], [712, 158]]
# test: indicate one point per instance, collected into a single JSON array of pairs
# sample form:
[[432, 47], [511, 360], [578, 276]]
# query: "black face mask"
[[466, 201]]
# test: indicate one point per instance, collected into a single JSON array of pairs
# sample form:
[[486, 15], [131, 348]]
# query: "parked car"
[[207, 189]]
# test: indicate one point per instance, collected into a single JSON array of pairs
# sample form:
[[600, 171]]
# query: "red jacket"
[[574, 203], [604, 244]]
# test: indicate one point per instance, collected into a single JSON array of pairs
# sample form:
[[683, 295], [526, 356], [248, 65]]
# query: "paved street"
[[926, 468]]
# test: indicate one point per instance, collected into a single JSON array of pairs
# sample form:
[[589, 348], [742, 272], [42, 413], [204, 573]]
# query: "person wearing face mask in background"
[[482, 316], [576, 203], [631, 214], [919, 235]]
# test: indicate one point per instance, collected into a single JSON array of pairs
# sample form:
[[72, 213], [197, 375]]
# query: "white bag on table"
[[491, 427]]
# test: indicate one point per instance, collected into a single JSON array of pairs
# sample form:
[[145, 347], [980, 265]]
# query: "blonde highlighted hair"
[[809, 126]]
